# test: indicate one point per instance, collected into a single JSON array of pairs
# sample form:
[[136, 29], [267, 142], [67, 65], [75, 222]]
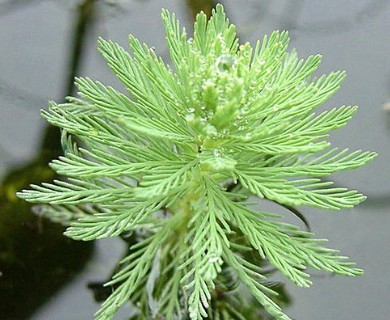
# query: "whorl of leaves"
[[156, 161]]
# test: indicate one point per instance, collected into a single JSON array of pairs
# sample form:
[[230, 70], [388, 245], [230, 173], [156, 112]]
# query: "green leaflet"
[[173, 159]]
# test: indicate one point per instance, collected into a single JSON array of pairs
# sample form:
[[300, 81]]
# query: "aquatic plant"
[[178, 161]]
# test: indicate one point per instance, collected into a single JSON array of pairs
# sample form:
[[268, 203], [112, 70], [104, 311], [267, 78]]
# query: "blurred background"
[[44, 44]]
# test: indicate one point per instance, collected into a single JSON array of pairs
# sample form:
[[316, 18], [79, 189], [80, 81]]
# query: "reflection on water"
[[196, 6], [36, 261]]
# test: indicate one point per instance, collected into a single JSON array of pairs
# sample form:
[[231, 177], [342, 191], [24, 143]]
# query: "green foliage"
[[174, 160]]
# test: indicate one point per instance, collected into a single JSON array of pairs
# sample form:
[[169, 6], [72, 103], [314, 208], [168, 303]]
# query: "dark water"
[[37, 41]]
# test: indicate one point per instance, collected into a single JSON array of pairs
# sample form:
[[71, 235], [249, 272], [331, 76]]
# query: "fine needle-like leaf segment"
[[171, 161]]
